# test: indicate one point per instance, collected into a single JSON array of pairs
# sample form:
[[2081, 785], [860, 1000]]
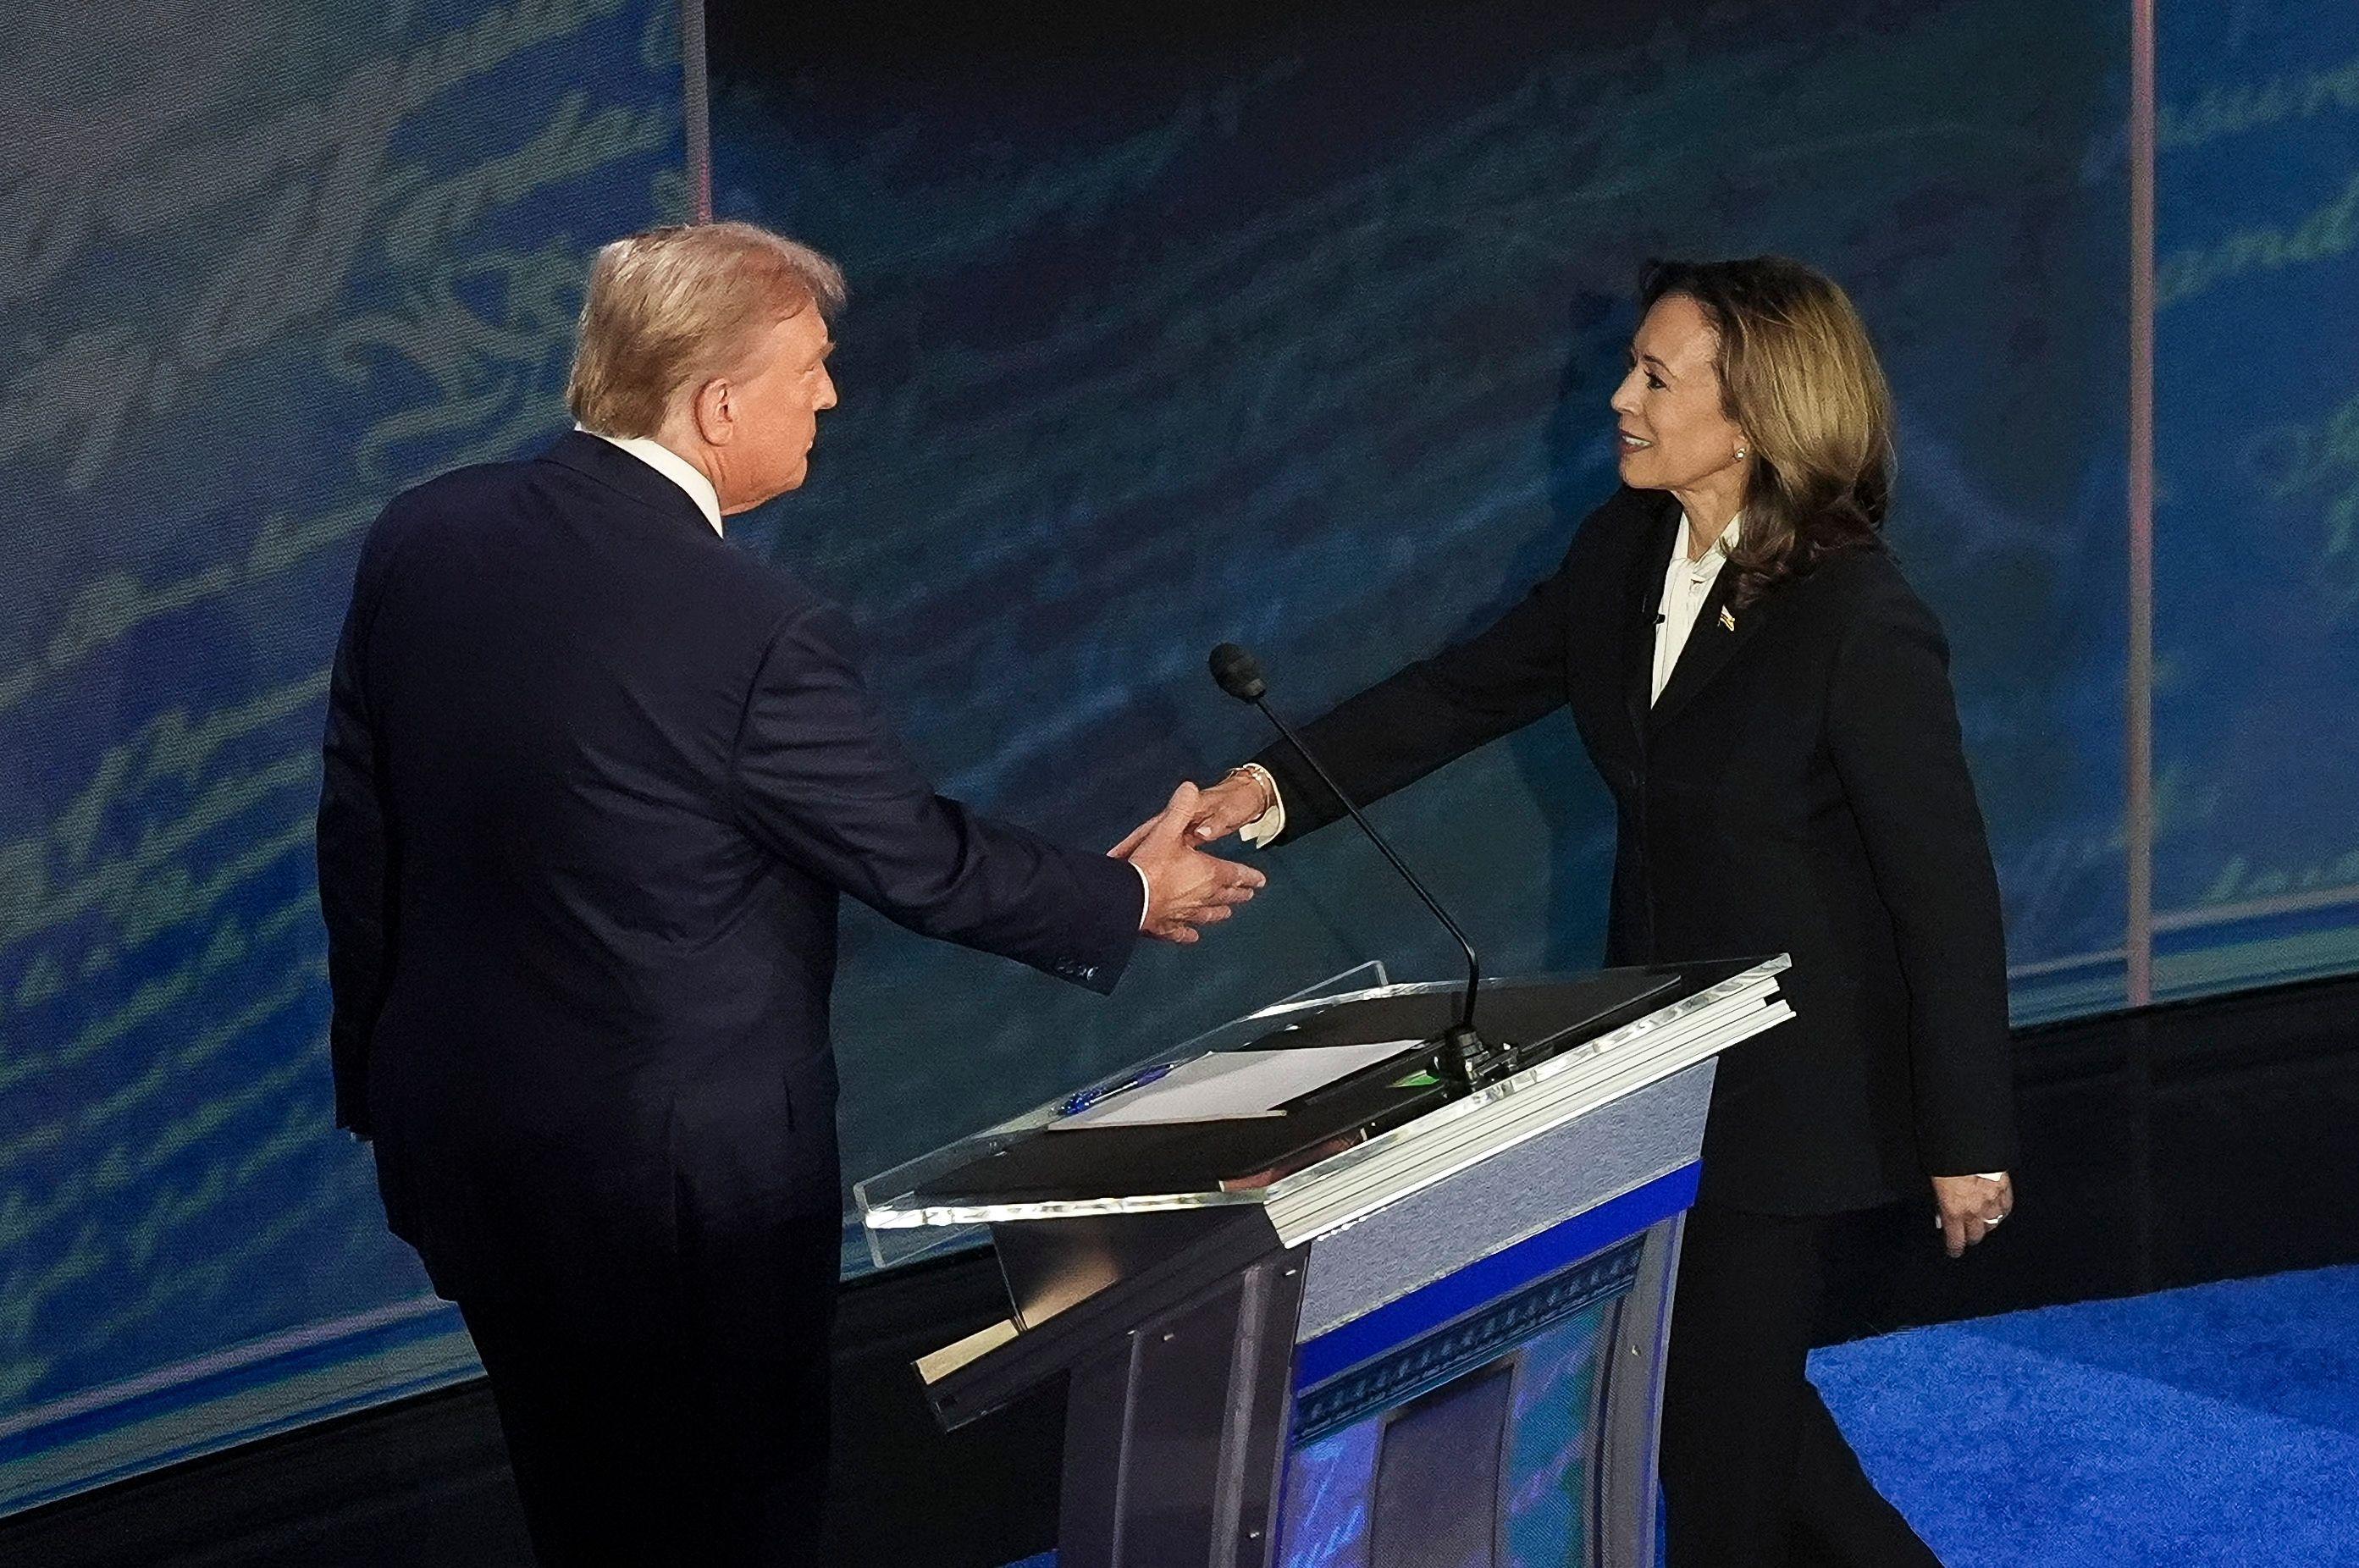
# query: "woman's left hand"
[[1972, 1207]]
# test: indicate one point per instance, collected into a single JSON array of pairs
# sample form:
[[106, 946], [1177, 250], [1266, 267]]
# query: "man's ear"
[[716, 411]]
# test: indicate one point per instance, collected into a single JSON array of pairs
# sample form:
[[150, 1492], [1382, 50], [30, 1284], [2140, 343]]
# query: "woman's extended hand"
[[1972, 1207], [1219, 811], [1235, 801]]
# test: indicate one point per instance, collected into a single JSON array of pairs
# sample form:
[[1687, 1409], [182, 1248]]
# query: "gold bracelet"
[[1268, 789]]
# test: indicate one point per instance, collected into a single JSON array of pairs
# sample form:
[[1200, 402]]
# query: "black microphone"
[[1464, 1060]]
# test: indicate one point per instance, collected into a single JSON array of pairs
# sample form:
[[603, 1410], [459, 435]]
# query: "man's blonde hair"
[[672, 308]]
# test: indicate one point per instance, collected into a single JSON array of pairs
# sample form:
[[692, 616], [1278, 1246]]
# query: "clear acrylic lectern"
[[1318, 1306]]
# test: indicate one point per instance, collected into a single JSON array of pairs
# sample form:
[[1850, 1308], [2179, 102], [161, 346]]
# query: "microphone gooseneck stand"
[[1462, 1058]]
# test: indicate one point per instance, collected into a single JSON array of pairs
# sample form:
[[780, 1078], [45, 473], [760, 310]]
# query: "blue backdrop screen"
[[1298, 329], [260, 266], [2257, 472], [1292, 324]]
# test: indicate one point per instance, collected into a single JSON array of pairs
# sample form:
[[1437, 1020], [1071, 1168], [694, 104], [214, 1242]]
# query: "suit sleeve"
[[357, 886], [818, 779], [1434, 711], [1893, 732]]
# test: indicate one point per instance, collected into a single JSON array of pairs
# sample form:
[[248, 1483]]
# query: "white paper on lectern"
[[1230, 1084]]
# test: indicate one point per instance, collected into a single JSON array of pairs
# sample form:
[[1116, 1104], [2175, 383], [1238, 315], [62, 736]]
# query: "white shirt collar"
[[672, 466], [1686, 585]]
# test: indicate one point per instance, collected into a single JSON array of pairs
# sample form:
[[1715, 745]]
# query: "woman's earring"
[[1740, 454]]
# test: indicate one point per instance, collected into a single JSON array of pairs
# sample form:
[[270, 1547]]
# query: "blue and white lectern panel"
[[1473, 1423]]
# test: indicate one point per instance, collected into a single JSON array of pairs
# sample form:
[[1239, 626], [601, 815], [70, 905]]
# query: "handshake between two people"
[[1187, 888]]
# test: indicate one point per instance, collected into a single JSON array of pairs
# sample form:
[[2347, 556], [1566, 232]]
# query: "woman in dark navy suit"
[[1770, 704]]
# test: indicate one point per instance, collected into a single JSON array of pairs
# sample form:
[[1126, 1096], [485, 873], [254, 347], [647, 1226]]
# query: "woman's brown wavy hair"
[[1799, 377]]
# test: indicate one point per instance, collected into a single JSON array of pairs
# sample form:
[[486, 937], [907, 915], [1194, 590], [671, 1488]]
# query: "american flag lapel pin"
[[1727, 621]]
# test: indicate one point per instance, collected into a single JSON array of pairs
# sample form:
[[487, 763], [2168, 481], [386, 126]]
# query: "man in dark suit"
[[595, 782]]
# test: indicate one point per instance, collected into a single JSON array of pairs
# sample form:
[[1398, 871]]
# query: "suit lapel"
[[1645, 597], [1719, 633]]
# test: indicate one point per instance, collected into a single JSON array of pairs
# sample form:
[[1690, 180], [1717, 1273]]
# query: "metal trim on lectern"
[[1218, 1328]]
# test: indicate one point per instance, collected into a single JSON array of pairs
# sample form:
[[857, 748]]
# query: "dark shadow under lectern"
[[1379, 1322]]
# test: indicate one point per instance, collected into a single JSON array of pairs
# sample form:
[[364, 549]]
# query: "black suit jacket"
[[594, 783], [1799, 788]]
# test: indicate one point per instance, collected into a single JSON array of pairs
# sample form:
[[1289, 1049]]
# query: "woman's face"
[[1674, 435]]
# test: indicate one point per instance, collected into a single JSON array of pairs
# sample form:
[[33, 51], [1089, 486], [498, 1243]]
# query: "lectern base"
[[1193, 1407], [1504, 1414]]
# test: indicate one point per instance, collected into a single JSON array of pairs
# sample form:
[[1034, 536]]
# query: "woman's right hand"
[[1219, 811], [1229, 805]]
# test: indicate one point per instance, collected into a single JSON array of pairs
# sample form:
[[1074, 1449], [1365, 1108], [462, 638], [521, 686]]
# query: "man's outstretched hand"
[[1186, 888]]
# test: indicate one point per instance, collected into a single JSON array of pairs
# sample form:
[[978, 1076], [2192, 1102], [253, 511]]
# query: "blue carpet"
[[2215, 1425]]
